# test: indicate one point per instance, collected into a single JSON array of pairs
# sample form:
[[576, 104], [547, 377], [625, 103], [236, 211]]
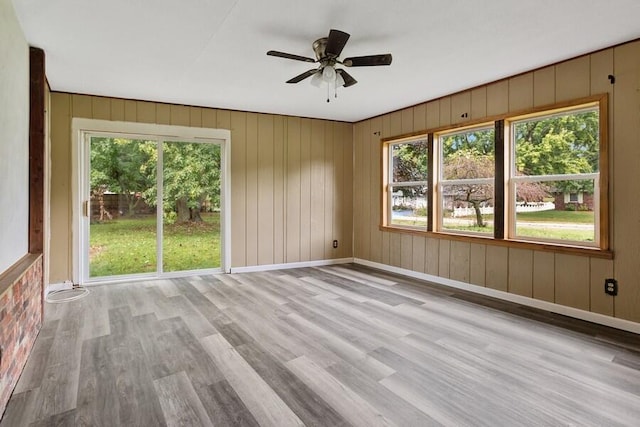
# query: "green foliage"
[[123, 166], [561, 144], [129, 167]]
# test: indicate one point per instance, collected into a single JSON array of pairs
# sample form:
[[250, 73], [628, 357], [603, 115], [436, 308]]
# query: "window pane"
[[409, 206], [468, 207], [567, 143], [409, 161], [553, 216], [468, 155]]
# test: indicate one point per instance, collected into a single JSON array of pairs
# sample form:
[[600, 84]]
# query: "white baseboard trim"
[[268, 267], [53, 287], [601, 319]]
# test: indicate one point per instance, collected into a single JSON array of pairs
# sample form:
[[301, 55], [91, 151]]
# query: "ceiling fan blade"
[[335, 42], [348, 80], [303, 76], [290, 56], [367, 61]]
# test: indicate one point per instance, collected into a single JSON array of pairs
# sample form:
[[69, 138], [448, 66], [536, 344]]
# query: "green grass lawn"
[[128, 246], [550, 216]]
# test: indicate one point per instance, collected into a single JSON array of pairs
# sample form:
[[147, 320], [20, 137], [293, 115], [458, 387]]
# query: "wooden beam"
[[36, 149]]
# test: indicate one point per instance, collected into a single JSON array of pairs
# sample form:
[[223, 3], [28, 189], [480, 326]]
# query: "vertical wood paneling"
[[573, 79], [572, 281], [433, 114], [432, 262], [407, 120], [130, 111], [521, 92], [265, 186], [101, 108], [601, 67], [419, 252], [366, 169], [395, 123], [195, 117], [497, 268], [626, 176], [544, 86], [363, 192], [238, 127], [376, 194], [602, 303], [419, 117], [460, 261], [478, 103], [179, 115], [316, 191], [293, 190], [346, 234], [209, 118], [252, 205], [146, 112], [305, 190], [521, 272], [395, 249], [60, 188], [117, 109], [445, 111], [279, 180], [163, 114], [406, 252], [498, 98], [81, 106], [329, 193], [477, 264], [461, 107], [444, 252], [543, 276], [343, 203]]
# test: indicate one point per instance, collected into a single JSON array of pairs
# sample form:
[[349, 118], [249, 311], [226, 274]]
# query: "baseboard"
[[53, 287], [601, 319], [269, 267]]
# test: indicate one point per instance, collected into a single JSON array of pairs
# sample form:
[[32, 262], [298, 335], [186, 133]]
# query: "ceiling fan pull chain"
[[328, 91]]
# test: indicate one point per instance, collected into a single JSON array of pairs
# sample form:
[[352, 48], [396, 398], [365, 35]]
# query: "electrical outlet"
[[611, 287], [335, 244]]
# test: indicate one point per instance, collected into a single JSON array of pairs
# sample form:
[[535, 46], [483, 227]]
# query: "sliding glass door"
[[152, 206]]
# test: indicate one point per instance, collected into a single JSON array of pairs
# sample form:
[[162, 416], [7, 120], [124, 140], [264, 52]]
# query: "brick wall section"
[[20, 321]]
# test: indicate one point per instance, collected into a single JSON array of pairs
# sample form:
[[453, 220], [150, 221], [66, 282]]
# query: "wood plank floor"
[[328, 346]]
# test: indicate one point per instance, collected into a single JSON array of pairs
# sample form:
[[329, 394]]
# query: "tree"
[[128, 167], [191, 179], [123, 166], [563, 144]]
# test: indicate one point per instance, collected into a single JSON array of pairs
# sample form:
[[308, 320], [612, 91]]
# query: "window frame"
[[440, 182], [513, 180], [504, 215], [389, 183]]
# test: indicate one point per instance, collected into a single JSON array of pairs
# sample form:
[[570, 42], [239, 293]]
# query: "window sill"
[[519, 244]]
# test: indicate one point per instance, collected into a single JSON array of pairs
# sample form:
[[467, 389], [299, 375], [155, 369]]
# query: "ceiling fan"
[[328, 50]]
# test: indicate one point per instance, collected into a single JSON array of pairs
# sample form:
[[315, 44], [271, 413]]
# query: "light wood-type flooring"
[[328, 346]]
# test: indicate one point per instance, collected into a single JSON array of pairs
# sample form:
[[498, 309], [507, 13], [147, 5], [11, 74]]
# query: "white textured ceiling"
[[213, 52]]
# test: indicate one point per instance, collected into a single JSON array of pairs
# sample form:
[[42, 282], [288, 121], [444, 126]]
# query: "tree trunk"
[[195, 215], [479, 219], [183, 210]]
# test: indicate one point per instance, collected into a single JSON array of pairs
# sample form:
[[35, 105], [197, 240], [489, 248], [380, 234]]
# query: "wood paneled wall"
[[291, 187], [570, 280]]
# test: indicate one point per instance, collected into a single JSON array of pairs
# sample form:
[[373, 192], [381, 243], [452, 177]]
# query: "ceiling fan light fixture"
[[329, 74], [317, 79], [339, 80]]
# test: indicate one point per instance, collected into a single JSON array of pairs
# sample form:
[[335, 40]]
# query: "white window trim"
[[82, 126]]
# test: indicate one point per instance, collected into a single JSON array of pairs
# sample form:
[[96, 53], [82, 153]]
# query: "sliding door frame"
[[81, 128]]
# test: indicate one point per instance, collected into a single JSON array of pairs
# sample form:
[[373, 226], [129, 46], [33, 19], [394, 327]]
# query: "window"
[[555, 176], [535, 178], [466, 180], [407, 187]]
